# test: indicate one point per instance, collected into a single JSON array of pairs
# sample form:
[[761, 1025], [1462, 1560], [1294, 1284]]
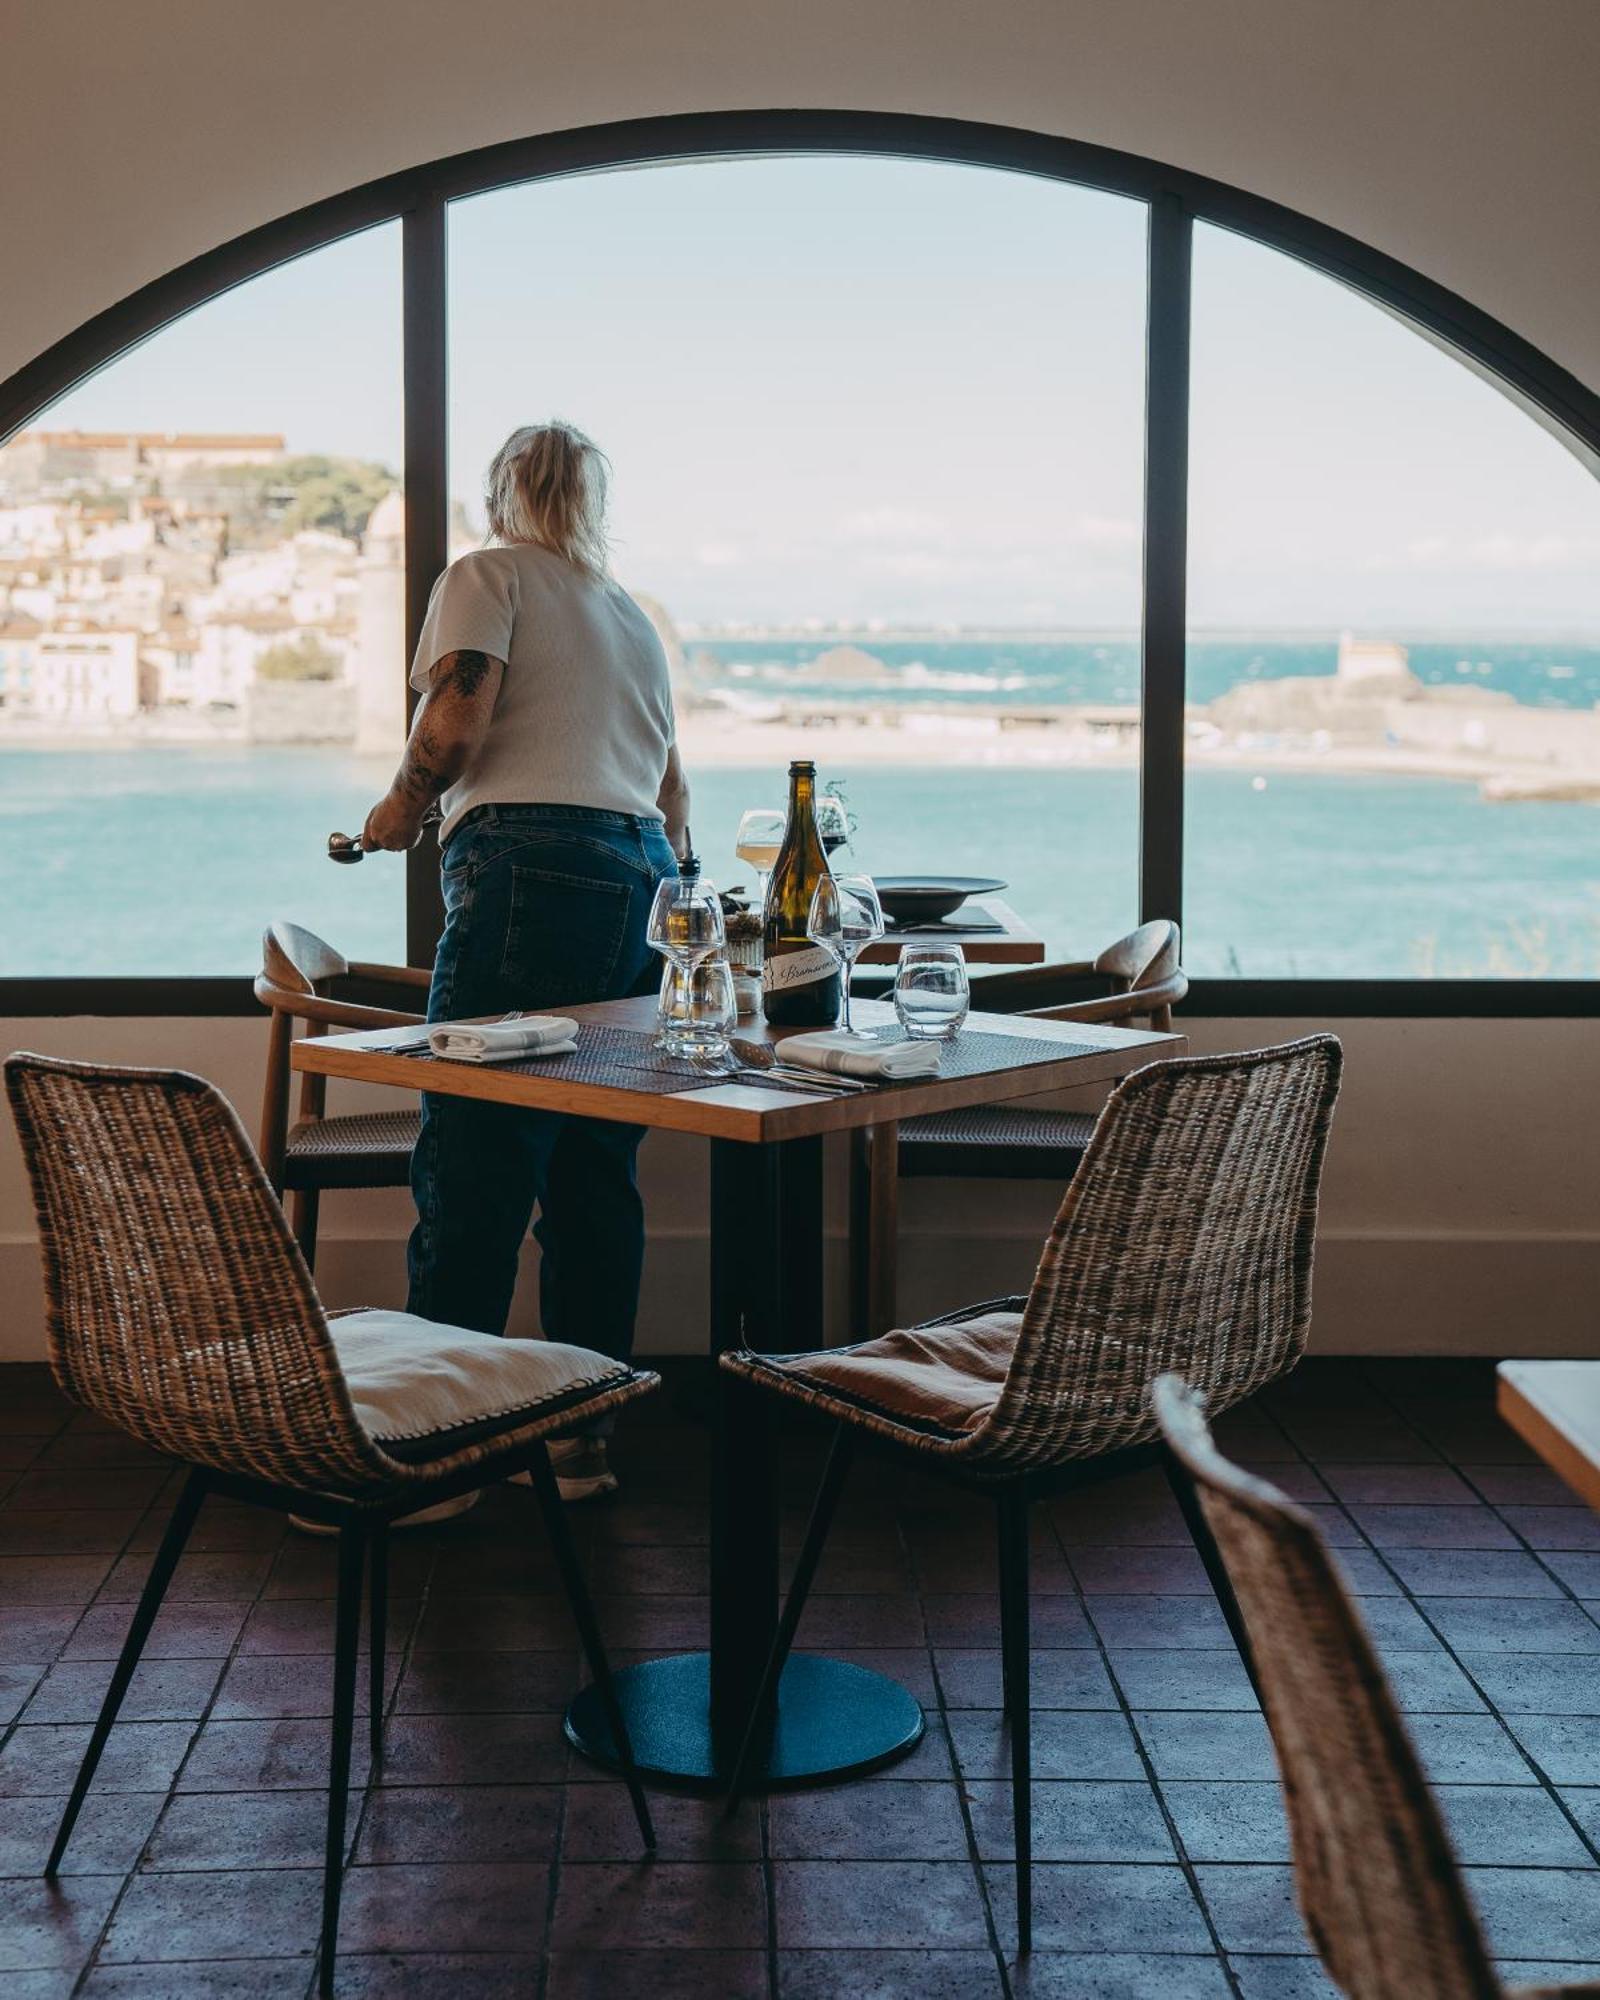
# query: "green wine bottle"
[[799, 979]]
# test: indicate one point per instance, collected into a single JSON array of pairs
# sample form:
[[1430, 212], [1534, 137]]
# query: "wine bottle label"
[[804, 967]]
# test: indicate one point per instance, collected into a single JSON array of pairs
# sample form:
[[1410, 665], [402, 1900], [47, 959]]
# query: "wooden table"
[[1013, 944], [1555, 1407], [686, 1714]]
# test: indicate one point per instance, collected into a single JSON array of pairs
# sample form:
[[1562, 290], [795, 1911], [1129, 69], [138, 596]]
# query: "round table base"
[[835, 1721]]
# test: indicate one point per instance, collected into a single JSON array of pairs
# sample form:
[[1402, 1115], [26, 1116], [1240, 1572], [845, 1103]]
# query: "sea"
[[162, 860]]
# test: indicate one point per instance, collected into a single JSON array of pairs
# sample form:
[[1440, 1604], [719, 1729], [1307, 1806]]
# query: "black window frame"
[[419, 199]]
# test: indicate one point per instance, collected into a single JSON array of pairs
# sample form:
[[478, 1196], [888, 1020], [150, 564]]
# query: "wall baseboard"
[[1375, 1294]]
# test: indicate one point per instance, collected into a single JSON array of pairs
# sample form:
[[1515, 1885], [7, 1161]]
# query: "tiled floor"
[[486, 1861]]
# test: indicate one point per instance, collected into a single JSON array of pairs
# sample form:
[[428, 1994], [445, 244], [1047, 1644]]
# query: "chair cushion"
[[422, 1390], [932, 1378]]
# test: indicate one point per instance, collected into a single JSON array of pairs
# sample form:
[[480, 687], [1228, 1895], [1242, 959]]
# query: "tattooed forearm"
[[426, 769]]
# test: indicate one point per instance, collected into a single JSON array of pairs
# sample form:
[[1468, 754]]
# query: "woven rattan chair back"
[[179, 1307], [1377, 1881], [1184, 1242]]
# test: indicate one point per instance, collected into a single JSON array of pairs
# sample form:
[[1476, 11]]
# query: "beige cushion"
[[948, 1376], [417, 1385]]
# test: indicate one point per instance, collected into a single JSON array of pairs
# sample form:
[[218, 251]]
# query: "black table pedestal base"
[[835, 1721]]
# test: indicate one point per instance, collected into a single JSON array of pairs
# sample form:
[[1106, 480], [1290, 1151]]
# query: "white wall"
[[1459, 1213], [1458, 135]]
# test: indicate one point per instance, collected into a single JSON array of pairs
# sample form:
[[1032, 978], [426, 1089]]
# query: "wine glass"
[[758, 843], [685, 927], [846, 917], [931, 993], [833, 823]]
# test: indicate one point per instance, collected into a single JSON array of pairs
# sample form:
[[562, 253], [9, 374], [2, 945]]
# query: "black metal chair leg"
[[1003, 1554], [1216, 1570], [346, 1645], [560, 1533], [378, 1619], [1015, 1643], [805, 1570], [155, 1589]]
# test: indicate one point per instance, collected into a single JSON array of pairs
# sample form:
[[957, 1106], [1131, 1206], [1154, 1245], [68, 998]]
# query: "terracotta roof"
[[154, 440]]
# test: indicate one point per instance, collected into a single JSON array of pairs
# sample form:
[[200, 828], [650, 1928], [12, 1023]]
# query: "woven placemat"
[[627, 1059]]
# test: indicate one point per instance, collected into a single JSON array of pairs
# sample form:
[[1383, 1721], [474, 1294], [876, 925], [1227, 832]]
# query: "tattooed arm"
[[451, 722], [672, 803]]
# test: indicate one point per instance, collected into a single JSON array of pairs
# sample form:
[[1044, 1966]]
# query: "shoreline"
[[953, 738]]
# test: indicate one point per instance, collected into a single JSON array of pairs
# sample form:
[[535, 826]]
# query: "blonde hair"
[[547, 484]]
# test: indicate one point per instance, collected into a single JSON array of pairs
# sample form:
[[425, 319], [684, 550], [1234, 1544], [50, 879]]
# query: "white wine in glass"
[[759, 841]]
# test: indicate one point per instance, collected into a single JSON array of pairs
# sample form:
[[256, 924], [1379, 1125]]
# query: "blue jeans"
[[545, 906]]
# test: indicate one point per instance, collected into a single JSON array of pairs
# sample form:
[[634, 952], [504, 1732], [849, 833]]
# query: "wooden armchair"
[[304, 980], [1137, 980]]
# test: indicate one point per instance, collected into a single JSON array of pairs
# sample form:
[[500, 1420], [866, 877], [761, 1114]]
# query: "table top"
[[1013, 944], [1555, 1407], [1069, 1053]]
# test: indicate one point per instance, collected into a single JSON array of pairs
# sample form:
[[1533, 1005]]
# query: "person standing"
[[546, 736]]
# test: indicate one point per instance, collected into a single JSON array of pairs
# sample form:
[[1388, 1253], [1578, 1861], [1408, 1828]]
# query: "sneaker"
[[425, 1517], [581, 1469]]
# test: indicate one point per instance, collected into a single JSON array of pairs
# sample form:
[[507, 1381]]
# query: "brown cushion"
[[948, 1377]]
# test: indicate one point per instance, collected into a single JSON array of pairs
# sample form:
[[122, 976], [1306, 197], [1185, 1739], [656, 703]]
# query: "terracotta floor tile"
[[461, 1823], [840, 1905], [50, 1927], [659, 1975], [660, 1904]]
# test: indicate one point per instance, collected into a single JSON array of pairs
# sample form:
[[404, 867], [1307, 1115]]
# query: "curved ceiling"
[[1456, 135]]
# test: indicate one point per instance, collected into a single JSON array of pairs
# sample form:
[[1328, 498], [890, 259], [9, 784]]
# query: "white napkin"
[[848, 1055], [504, 1041]]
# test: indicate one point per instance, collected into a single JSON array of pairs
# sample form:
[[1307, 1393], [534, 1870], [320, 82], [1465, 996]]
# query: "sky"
[[857, 390]]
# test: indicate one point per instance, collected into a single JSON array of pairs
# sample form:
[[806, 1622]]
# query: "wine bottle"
[[799, 979]]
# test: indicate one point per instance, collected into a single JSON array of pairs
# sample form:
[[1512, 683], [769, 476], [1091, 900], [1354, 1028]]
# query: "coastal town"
[[217, 588]]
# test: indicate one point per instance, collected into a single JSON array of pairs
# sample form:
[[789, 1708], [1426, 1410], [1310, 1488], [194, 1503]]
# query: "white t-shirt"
[[584, 714]]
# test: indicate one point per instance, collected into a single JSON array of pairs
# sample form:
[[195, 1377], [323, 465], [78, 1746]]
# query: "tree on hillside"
[[264, 502], [306, 658]]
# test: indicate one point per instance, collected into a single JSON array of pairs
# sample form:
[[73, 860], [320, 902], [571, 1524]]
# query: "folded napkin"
[[849, 1055], [504, 1041]]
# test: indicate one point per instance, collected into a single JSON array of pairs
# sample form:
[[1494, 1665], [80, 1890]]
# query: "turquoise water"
[[171, 861], [1554, 673]]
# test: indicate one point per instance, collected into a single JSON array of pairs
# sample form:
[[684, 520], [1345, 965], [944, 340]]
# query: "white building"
[[84, 677]]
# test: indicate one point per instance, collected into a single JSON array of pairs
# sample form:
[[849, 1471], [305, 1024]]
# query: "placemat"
[[627, 1059], [977, 1054], [970, 917]]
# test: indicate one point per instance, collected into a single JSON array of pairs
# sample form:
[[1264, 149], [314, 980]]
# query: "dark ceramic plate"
[[927, 898]]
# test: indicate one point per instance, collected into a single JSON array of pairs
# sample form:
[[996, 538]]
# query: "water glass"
[[845, 918], [699, 1012], [931, 994]]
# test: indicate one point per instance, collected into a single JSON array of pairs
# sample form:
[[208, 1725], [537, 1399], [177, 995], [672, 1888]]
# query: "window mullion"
[[1166, 505]]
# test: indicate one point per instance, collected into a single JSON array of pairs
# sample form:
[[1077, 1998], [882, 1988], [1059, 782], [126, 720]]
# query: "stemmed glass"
[[846, 917], [685, 927], [757, 844]]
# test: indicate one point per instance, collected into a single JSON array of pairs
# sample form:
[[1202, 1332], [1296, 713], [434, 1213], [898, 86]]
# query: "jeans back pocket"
[[564, 936]]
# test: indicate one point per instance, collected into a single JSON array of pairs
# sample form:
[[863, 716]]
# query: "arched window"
[[1255, 608]]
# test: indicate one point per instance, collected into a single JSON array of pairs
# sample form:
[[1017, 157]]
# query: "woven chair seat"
[[928, 1386], [370, 1149], [422, 1391], [990, 1142]]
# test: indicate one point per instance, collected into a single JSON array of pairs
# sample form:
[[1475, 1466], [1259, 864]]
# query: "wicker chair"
[[302, 979], [1184, 1241], [181, 1310], [1377, 1879], [1139, 978]]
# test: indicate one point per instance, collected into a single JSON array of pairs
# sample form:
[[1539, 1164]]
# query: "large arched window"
[[1254, 606]]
